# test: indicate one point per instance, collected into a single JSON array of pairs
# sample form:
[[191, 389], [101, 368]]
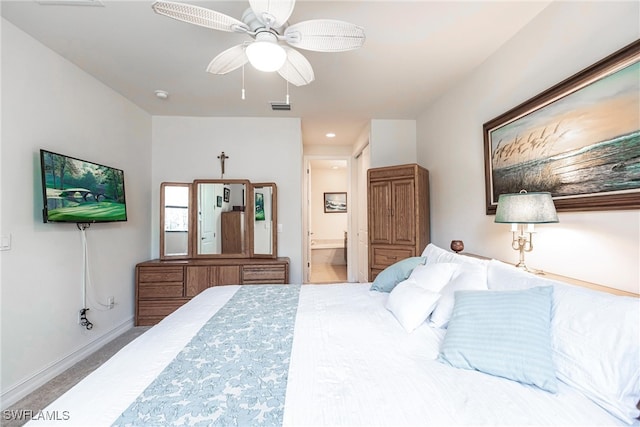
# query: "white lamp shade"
[[526, 208], [265, 54]]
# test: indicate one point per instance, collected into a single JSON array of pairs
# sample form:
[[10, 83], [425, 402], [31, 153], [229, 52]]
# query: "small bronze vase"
[[457, 246]]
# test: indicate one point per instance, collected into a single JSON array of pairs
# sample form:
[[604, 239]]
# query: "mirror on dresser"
[[218, 219], [175, 219], [265, 220], [222, 227]]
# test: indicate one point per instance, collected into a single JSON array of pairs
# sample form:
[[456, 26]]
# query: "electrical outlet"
[[111, 302]]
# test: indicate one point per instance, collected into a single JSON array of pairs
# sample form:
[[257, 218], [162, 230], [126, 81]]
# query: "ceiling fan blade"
[[199, 16], [296, 70], [325, 35], [273, 13], [228, 60]]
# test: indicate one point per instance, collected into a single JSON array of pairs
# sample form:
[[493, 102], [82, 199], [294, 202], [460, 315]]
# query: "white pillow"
[[433, 276], [596, 347], [595, 339], [411, 304], [435, 255], [506, 277], [413, 300], [467, 277]]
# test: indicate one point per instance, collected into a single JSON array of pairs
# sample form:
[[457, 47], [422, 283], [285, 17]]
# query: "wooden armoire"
[[398, 214]]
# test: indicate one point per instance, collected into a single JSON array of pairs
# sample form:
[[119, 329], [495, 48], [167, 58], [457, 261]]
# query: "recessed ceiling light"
[[162, 94], [330, 135]]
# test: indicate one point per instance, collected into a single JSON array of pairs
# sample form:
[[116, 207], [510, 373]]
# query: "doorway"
[[327, 219]]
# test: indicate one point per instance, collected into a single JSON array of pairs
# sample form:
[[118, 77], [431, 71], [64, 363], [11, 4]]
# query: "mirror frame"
[[163, 255], [274, 220], [248, 225]]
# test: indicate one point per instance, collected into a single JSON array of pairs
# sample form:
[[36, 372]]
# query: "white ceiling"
[[414, 52]]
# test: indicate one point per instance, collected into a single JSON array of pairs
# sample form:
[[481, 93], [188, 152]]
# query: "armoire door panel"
[[403, 213], [380, 212]]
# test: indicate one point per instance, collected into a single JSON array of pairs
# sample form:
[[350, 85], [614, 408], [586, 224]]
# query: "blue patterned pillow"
[[503, 333], [388, 278]]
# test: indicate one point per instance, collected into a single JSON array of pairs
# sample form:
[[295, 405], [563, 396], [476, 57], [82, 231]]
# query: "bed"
[[303, 355]]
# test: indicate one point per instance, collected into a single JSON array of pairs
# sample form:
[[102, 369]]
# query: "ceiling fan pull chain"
[[243, 82], [287, 91]]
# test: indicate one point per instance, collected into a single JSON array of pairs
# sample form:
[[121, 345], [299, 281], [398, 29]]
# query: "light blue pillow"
[[503, 333], [388, 278]]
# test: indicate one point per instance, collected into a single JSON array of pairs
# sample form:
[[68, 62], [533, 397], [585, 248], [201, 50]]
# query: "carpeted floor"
[[46, 394]]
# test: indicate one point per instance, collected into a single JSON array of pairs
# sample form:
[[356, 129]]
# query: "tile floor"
[[328, 273]]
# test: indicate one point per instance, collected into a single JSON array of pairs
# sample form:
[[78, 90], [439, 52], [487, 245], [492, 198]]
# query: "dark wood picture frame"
[[579, 140], [335, 202], [227, 193]]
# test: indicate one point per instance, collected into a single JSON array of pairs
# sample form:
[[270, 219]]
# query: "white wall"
[[50, 103], [259, 149], [601, 247], [392, 142]]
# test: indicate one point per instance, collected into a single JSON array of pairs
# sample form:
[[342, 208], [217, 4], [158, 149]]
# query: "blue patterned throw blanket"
[[234, 370]]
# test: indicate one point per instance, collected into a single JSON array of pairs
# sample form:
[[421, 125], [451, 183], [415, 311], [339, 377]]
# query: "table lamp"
[[525, 209]]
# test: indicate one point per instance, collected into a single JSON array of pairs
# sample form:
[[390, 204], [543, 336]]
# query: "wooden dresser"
[[398, 214], [164, 285]]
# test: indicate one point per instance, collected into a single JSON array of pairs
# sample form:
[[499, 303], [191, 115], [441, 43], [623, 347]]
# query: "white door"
[[363, 231], [207, 217]]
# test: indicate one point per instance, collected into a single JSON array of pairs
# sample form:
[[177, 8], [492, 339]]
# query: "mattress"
[[346, 361]]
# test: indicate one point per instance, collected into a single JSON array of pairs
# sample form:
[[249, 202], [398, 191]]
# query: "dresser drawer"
[[264, 273], [159, 309], [385, 256], [152, 290], [160, 274]]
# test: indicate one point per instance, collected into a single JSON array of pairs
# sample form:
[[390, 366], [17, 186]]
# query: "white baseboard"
[[17, 392]]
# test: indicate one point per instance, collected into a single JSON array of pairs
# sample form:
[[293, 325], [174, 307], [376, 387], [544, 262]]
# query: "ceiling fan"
[[266, 22]]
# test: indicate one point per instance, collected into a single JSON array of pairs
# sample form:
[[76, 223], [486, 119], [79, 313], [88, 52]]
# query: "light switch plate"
[[279, 228], [5, 242]]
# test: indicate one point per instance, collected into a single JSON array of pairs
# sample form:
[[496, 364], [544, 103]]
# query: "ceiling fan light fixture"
[[265, 54], [266, 21]]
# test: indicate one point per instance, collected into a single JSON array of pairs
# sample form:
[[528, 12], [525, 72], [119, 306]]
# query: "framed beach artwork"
[[579, 140], [335, 202]]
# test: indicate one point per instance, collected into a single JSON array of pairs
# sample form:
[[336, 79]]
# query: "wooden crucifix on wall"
[[222, 158]]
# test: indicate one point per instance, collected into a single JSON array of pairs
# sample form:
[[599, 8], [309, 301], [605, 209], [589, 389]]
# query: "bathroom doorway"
[[327, 219]]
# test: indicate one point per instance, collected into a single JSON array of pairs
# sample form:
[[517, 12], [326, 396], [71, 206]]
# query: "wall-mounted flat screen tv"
[[79, 191]]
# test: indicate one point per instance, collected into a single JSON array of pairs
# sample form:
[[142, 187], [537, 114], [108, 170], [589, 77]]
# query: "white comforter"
[[351, 364]]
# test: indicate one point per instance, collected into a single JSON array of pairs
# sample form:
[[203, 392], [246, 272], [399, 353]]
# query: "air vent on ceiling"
[[280, 106], [71, 3]]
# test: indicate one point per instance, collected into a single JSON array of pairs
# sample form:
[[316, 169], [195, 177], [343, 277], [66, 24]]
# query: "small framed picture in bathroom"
[[335, 202]]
